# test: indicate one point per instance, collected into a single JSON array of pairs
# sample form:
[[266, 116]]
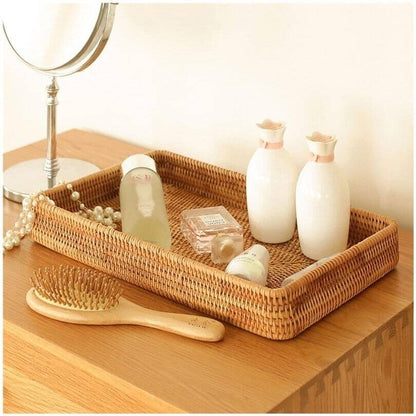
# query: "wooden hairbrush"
[[84, 296]]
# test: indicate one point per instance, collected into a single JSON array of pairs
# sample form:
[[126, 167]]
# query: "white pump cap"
[[137, 161]]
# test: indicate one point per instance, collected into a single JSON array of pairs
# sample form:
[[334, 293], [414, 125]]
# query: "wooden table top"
[[243, 373]]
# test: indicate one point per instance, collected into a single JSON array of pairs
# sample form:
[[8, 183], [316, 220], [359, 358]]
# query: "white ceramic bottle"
[[271, 186], [142, 203], [322, 201]]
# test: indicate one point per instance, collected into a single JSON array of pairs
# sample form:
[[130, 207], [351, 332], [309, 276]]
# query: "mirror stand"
[[51, 163], [94, 20], [32, 176]]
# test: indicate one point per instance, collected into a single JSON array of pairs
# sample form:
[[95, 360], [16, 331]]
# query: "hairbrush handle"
[[126, 312], [191, 326]]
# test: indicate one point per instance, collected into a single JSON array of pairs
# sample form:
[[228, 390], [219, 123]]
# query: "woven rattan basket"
[[192, 279]]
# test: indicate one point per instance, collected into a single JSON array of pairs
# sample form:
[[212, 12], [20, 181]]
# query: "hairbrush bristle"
[[76, 288]]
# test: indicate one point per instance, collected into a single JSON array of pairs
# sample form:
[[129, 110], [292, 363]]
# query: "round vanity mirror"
[[56, 39]]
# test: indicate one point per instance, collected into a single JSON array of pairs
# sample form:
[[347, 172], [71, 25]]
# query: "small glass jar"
[[200, 226], [224, 247]]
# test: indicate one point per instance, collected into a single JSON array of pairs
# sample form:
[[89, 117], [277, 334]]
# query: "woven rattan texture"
[[191, 278]]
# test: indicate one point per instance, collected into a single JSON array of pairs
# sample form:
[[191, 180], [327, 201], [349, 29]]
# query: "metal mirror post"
[[56, 40]]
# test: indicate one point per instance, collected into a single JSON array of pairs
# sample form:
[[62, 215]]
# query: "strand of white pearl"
[[23, 226], [106, 216]]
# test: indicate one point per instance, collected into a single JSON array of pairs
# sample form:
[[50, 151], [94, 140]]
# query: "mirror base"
[[28, 177]]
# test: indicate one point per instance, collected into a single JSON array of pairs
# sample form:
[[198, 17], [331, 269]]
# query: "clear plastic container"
[[142, 203]]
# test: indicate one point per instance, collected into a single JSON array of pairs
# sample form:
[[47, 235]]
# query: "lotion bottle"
[[252, 264], [271, 186], [322, 201], [142, 202]]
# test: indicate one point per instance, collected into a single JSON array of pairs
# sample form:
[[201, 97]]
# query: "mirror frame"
[[90, 51]]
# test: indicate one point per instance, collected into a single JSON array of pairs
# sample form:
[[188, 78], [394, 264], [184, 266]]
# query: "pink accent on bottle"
[[321, 159], [270, 145]]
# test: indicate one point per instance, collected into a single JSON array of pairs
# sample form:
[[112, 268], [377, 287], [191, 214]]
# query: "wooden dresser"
[[357, 359]]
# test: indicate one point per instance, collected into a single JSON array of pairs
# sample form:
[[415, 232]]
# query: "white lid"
[[137, 161], [261, 253], [271, 131], [321, 145]]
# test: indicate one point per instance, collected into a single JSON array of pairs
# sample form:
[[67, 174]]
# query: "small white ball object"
[[41, 197], [117, 216], [75, 196], [28, 228], [98, 209], [27, 202], [22, 232], [108, 211], [99, 217], [15, 241], [82, 206], [8, 244], [69, 186], [107, 221], [30, 216]]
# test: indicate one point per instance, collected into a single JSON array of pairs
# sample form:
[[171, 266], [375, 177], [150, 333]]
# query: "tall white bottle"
[[142, 203], [322, 201], [271, 187]]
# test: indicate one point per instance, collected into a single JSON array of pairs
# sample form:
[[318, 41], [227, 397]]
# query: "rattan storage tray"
[[192, 279]]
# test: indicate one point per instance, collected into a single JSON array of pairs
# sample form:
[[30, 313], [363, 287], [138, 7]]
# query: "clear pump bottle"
[[142, 202]]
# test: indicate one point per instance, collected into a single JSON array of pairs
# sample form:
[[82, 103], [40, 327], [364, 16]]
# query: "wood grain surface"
[[357, 359]]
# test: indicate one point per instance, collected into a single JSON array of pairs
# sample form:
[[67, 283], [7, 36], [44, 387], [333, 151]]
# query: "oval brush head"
[[77, 288]]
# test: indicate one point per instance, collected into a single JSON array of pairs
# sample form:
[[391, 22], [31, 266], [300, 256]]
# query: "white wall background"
[[195, 78]]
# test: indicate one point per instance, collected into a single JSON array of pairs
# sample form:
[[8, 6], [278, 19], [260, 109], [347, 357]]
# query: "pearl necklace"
[[23, 226]]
